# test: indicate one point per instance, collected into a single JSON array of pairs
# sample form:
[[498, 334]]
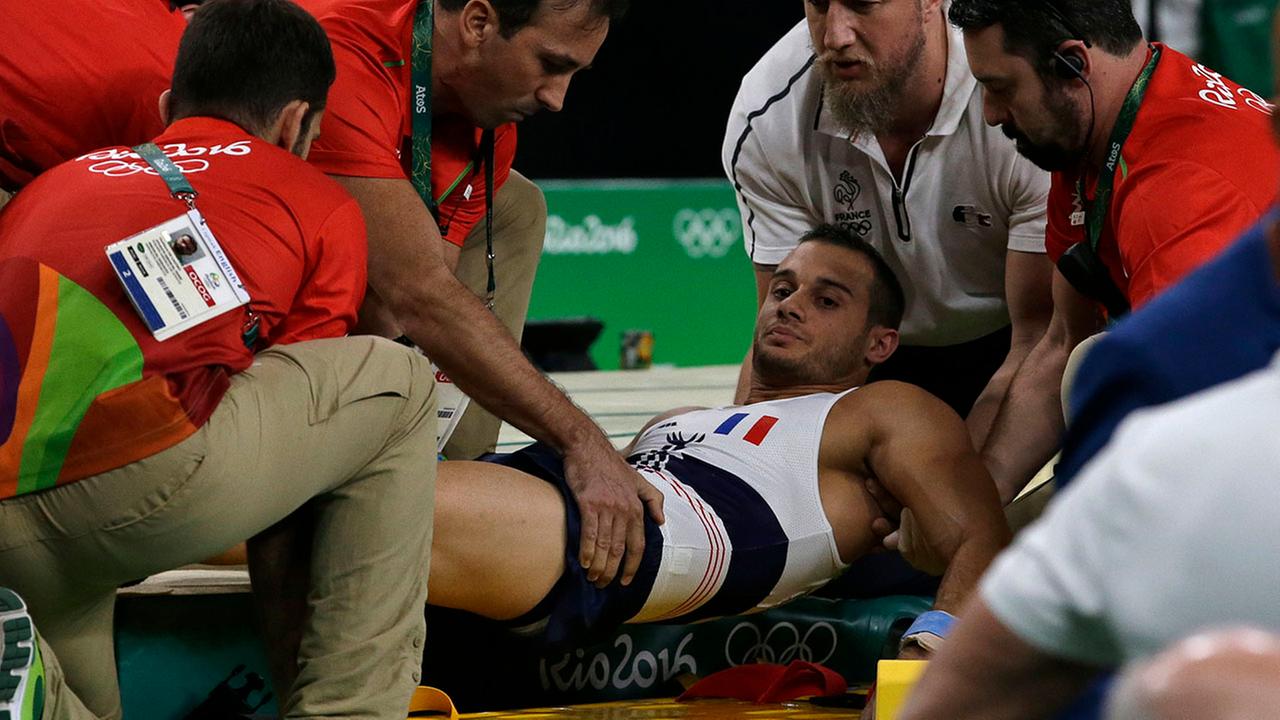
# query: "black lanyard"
[[181, 189]]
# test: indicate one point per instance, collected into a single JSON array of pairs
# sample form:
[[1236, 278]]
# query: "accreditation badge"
[[176, 275], [451, 403]]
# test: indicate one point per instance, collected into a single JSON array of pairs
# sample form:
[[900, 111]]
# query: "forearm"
[[469, 344], [966, 566], [1028, 427], [983, 413], [410, 272]]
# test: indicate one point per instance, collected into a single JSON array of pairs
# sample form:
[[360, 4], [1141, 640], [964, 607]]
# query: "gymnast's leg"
[[499, 542]]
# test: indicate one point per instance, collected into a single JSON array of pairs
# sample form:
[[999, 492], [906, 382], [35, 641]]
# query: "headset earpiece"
[[1068, 67]]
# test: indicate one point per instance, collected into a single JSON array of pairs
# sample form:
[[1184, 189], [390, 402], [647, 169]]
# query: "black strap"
[[488, 151]]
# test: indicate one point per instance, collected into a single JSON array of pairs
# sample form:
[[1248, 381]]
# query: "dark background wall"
[[655, 102]]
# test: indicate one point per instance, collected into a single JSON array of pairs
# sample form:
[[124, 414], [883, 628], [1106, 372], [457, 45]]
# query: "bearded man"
[[866, 116]]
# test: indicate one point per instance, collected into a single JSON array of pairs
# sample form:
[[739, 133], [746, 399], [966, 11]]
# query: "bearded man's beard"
[[870, 110]]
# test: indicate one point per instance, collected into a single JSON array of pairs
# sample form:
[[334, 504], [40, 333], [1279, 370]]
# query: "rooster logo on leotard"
[[656, 460]]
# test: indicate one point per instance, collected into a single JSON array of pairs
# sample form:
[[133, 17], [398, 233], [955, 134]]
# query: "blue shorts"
[[576, 612]]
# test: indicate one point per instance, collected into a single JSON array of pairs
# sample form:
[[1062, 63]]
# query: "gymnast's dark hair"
[[245, 60], [515, 14], [888, 301], [1035, 28]]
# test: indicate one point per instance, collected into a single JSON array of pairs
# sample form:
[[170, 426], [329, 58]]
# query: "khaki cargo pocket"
[[342, 371]]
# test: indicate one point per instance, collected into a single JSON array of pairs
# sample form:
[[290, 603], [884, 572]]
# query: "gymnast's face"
[[812, 326]]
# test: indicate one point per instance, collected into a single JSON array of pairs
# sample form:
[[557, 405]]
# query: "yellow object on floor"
[[428, 702], [660, 709], [894, 680]]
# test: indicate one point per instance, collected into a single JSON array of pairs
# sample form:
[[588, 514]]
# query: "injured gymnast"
[[764, 502]]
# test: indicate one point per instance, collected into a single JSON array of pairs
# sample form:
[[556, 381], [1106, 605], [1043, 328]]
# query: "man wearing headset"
[[1158, 164]]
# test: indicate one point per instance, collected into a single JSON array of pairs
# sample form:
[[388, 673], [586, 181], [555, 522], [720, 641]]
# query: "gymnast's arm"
[[919, 451]]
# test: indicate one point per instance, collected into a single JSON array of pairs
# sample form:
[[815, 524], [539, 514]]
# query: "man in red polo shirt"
[[127, 448], [1158, 164], [489, 65], [80, 75]]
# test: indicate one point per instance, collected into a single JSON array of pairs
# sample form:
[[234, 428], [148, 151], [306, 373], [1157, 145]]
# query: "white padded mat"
[[622, 401]]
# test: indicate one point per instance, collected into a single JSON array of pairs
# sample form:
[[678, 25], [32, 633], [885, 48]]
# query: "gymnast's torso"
[[745, 525]]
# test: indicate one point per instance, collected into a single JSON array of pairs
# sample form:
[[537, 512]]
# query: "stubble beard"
[[780, 370], [1054, 155]]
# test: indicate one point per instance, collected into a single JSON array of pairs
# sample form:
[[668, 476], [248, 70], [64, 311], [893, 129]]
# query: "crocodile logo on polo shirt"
[[970, 216]]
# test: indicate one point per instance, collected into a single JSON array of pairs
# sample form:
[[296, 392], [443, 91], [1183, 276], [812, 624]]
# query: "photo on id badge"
[[184, 246]]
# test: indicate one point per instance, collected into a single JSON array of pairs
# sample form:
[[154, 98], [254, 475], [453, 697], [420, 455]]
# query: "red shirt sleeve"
[[363, 125], [458, 181], [1168, 231], [334, 282]]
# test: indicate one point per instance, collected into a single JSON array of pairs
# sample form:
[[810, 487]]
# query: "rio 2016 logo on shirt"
[[117, 162], [1219, 93], [709, 232]]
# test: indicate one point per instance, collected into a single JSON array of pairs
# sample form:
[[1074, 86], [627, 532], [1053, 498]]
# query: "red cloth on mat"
[[769, 683]]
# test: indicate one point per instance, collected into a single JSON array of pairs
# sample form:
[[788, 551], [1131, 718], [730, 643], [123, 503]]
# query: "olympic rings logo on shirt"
[[861, 227], [125, 168], [708, 232], [782, 644]]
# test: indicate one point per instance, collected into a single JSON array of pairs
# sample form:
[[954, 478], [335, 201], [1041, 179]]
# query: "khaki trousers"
[[519, 226], [344, 426]]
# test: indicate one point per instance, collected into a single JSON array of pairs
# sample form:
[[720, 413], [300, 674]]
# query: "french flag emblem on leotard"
[[757, 431]]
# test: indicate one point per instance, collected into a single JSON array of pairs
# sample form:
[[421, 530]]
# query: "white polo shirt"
[[1172, 529], [968, 196]]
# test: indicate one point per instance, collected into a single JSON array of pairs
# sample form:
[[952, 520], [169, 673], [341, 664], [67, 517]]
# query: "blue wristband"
[[935, 622]]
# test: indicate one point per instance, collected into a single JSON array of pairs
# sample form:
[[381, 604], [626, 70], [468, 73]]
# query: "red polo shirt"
[[75, 76], [1199, 168], [367, 123], [84, 387]]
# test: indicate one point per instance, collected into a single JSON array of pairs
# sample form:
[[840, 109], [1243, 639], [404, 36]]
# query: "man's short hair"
[[245, 60], [1035, 28], [888, 301], [515, 14]]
